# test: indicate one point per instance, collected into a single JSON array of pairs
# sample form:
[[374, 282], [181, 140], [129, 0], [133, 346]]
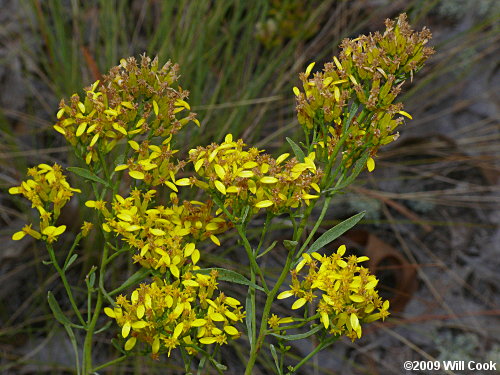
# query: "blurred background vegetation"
[[432, 204]]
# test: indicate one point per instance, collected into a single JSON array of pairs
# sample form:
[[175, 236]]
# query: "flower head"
[[186, 313], [48, 191], [342, 292], [249, 177], [134, 99], [370, 71], [164, 237]]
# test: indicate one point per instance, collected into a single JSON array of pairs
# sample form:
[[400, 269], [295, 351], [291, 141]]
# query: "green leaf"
[[356, 170], [92, 279], [299, 154], [85, 173], [120, 159], [220, 204], [231, 276], [70, 261], [57, 312], [248, 318], [118, 346], [299, 336], [275, 357], [352, 113], [104, 327], [359, 166], [56, 309], [290, 245], [132, 280], [268, 249], [335, 232], [244, 215], [74, 344]]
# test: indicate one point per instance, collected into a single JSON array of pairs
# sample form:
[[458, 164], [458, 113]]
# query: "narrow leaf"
[[335, 232], [231, 276], [352, 113], [290, 245], [267, 250], [299, 336], [56, 309], [132, 280], [85, 173], [92, 280], [244, 215], [118, 346], [72, 338], [299, 154], [70, 261], [275, 357], [104, 327], [356, 170], [248, 319]]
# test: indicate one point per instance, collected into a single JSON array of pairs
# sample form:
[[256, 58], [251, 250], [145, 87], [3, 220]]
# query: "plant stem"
[[67, 287], [322, 345], [112, 362], [326, 204], [87, 345], [265, 314], [251, 257], [272, 294]]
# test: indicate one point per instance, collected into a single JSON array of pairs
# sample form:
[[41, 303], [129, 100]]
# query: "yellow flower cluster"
[[183, 313], [252, 178], [48, 191], [179, 309], [370, 70], [164, 237], [345, 292], [134, 99], [153, 163]]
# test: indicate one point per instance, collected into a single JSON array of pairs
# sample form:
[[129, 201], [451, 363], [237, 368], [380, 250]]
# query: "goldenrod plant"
[[125, 127]]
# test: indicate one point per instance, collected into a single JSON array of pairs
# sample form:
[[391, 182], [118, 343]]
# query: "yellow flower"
[[164, 237], [109, 111], [347, 291], [249, 177], [274, 321], [86, 228], [369, 71], [167, 315], [48, 191]]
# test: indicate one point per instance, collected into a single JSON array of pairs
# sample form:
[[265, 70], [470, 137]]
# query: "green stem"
[[116, 253], [272, 294], [295, 326], [67, 287], [114, 361], [265, 314], [87, 345], [72, 249], [316, 350], [298, 233], [326, 204], [269, 217], [251, 257]]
